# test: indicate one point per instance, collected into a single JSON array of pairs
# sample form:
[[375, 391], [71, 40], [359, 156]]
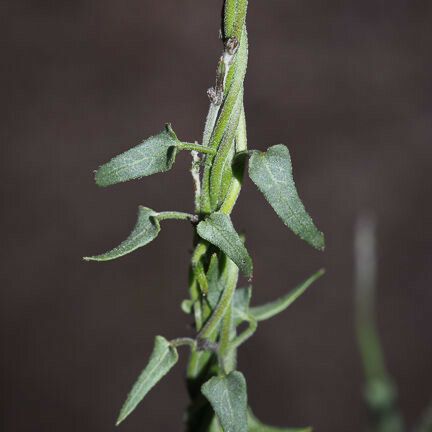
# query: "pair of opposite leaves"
[[271, 171]]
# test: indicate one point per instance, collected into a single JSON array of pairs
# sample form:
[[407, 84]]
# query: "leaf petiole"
[[195, 147], [245, 335], [176, 215], [184, 341]]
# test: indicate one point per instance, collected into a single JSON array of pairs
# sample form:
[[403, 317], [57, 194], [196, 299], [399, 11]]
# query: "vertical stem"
[[236, 182], [224, 135], [380, 392]]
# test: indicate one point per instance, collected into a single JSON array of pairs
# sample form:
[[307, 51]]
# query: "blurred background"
[[346, 85]]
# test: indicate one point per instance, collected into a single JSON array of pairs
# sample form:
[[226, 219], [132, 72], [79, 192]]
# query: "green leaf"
[[146, 229], [214, 277], [256, 426], [162, 359], [227, 395], [219, 231], [271, 171], [155, 154], [241, 302], [269, 310]]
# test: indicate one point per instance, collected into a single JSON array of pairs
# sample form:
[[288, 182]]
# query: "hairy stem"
[[224, 136]]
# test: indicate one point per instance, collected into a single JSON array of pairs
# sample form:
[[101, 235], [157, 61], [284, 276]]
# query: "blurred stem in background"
[[379, 392]]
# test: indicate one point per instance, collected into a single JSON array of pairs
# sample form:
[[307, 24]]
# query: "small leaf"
[[271, 171], [162, 359], [219, 231], [146, 229], [256, 426], [228, 397], [269, 310], [155, 154]]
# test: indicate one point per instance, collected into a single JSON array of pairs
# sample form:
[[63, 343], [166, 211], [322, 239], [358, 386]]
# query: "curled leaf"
[[271, 171], [146, 229]]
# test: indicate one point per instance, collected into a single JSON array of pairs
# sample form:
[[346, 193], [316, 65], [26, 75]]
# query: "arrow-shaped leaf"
[[256, 426], [271, 171], [146, 229], [155, 154], [269, 310], [228, 397], [162, 359], [219, 231]]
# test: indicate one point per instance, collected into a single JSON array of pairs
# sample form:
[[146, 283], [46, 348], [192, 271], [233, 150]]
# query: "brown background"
[[345, 84]]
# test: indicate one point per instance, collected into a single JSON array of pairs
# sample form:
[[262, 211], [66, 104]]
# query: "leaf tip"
[[99, 178], [92, 258], [121, 418], [319, 242], [322, 271]]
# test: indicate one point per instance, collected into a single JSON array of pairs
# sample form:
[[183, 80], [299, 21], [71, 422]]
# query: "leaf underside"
[[219, 231], [162, 359], [155, 154], [269, 310], [271, 171], [227, 395], [146, 229]]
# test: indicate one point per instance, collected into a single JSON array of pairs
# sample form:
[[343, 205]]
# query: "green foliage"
[[241, 300], [228, 397], [155, 154], [146, 229], [269, 310], [162, 359], [221, 312], [271, 171], [219, 231]]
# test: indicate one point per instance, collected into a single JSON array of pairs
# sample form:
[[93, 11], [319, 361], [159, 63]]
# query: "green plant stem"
[[380, 392], [218, 392], [225, 334], [225, 128], [245, 335], [196, 147], [224, 136], [198, 268], [183, 342], [176, 215], [237, 180], [223, 305]]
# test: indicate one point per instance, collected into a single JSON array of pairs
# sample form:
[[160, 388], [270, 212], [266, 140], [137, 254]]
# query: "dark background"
[[345, 84]]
